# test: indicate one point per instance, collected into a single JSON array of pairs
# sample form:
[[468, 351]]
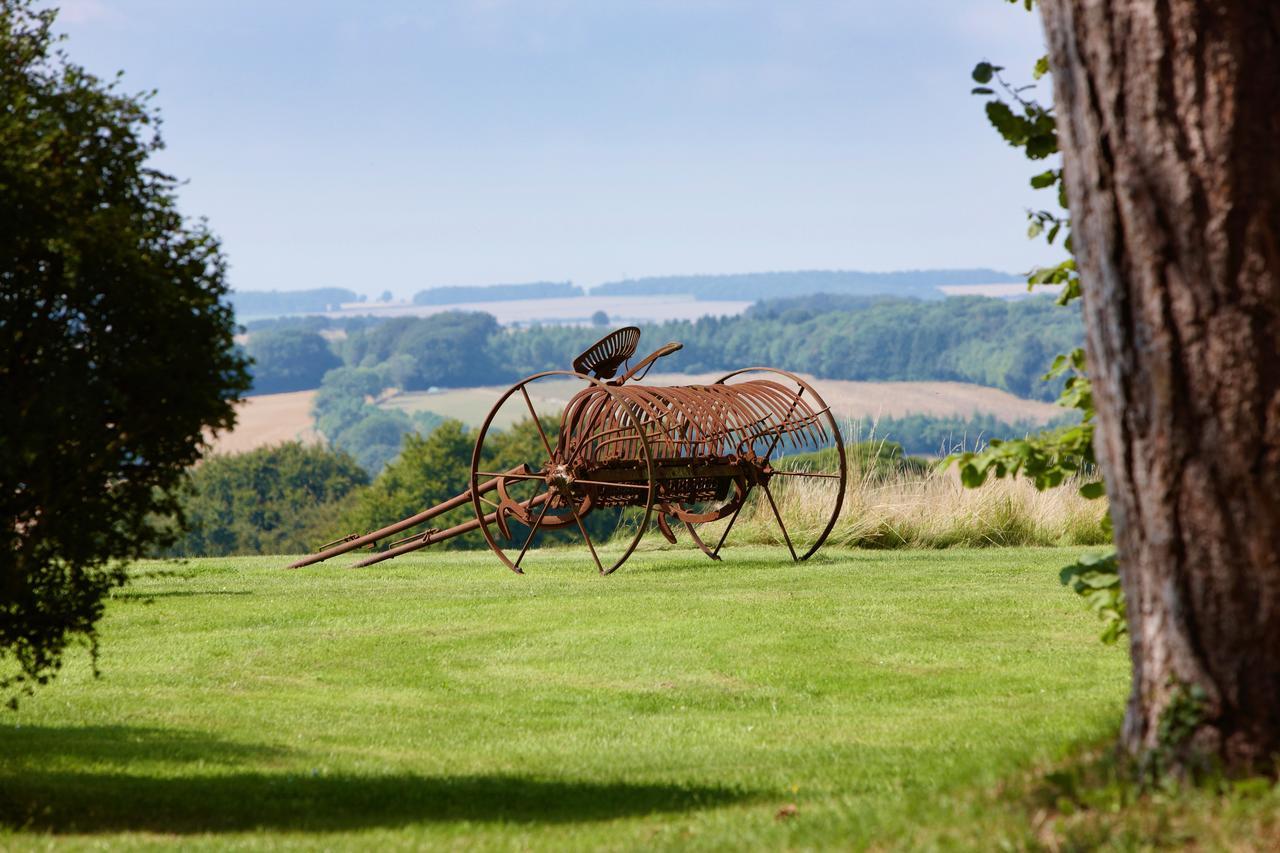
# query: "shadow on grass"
[[130, 595], [39, 792]]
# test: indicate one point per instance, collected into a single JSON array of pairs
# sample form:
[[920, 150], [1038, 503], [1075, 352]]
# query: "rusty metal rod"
[[431, 537], [354, 543]]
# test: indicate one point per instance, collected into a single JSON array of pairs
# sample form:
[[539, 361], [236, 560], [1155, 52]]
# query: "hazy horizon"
[[480, 141]]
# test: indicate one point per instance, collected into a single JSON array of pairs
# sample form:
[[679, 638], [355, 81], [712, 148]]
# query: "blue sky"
[[399, 145]]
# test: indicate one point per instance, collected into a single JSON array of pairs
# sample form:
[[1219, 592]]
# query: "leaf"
[[1041, 67], [1093, 491], [982, 90], [1044, 179], [983, 72]]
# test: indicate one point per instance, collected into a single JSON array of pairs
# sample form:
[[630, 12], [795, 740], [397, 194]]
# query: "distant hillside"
[[771, 285], [496, 293], [275, 303]]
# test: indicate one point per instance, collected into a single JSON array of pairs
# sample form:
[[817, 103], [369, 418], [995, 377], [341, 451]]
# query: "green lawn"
[[439, 700]]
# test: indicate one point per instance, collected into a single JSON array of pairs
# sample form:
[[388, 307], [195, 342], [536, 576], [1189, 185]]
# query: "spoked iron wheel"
[[797, 500], [560, 502]]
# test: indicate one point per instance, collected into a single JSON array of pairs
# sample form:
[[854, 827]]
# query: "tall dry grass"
[[905, 506]]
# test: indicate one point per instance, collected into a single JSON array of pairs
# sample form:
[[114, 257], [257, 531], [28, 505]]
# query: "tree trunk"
[[1169, 118]]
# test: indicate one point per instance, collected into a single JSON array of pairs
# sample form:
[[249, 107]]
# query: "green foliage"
[[994, 342], [346, 416], [1050, 458], [1096, 579], [427, 471], [940, 435], [289, 360], [1182, 715], [375, 438], [449, 349], [274, 500], [436, 467], [116, 350]]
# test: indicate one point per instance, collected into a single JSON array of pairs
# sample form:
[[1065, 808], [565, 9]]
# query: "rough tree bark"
[[1169, 117]]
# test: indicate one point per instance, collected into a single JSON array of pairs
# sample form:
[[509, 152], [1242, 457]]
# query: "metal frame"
[[692, 452]]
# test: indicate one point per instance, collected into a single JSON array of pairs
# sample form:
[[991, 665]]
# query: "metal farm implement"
[[621, 453]]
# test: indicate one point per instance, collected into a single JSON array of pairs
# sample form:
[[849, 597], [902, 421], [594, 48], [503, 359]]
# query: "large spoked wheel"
[[797, 499], [549, 489]]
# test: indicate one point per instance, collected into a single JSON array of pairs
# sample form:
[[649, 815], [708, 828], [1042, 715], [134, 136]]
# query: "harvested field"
[[272, 418], [863, 402], [266, 419]]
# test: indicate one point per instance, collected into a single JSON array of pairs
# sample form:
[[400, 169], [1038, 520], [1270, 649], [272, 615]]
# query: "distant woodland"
[[271, 303], [496, 293], [922, 284], [773, 285], [992, 342]]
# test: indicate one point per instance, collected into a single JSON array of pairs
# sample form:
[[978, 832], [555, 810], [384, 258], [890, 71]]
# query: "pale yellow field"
[[861, 402], [269, 419], [273, 418]]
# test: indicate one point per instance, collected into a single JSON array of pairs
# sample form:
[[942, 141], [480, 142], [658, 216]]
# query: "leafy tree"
[[1004, 344], [374, 439], [289, 360], [1181, 346], [1168, 126], [600, 318], [345, 394], [116, 352], [428, 470], [449, 349], [273, 500]]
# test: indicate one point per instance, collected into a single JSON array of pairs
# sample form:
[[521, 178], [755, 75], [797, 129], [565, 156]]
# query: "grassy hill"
[[860, 699]]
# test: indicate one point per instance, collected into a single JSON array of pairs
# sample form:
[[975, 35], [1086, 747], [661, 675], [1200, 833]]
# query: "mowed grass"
[[439, 700]]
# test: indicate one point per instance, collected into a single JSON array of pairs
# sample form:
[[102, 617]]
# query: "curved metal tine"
[[489, 502], [663, 415], [681, 407], [778, 436], [587, 537], [780, 403], [725, 535], [524, 393], [768, 494], [805, 474], [511, 476], [697, 540], [532, 530], [751, 413], [586, 426]]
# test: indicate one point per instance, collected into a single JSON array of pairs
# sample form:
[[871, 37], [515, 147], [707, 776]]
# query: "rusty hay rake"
[[622, 453]]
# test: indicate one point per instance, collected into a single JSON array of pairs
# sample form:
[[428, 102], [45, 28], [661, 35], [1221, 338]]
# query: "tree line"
[[998, 343]]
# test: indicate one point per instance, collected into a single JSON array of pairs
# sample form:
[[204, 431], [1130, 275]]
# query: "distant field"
[[441, 702], [862, 402], [269, 419]]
